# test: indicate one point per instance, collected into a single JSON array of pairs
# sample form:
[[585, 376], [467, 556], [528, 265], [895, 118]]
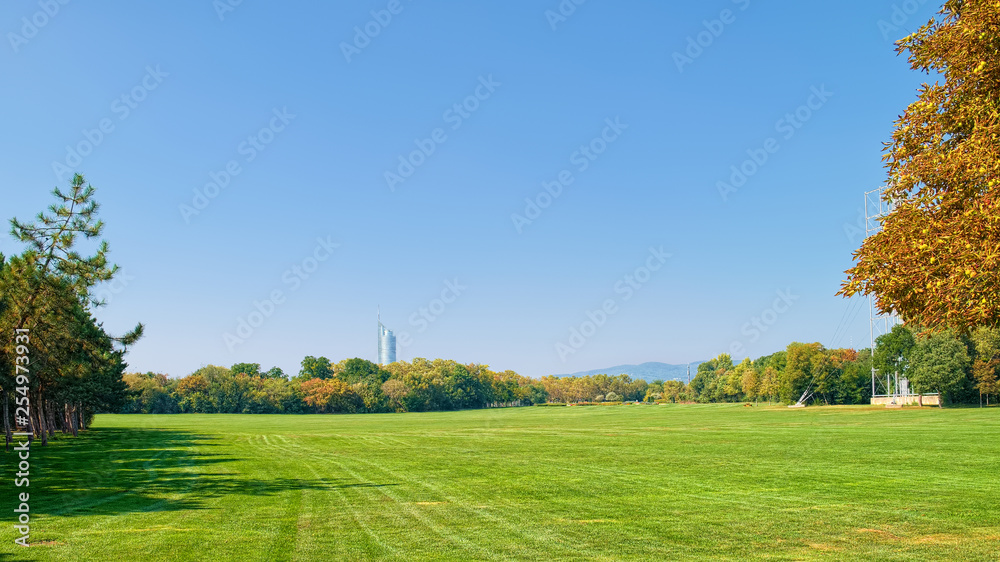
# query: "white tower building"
[[386, 343]]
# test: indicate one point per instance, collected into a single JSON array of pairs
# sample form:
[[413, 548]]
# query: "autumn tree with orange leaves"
[[936, 261]]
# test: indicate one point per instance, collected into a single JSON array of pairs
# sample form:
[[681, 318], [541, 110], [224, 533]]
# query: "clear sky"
[[315, 160]]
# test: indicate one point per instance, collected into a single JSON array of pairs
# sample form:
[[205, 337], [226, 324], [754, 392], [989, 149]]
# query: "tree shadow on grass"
[[111, 471]]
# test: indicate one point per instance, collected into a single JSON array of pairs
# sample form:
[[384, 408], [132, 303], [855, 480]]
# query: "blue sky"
[[243, 161]]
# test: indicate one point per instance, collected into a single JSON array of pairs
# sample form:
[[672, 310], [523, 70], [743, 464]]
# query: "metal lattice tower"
[[876, 209]]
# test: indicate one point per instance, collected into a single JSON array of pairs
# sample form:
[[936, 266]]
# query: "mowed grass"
[[600, 483]]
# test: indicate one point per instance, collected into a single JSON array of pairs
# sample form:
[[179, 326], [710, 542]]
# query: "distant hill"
[[648, 372]]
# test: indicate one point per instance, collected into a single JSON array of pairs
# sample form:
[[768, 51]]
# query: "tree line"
[[830, 376], [837, 376], [595, 388], [962, 367], [321, 387]]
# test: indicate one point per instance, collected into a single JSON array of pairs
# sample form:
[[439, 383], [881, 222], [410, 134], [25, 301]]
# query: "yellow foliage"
[[936, 261]]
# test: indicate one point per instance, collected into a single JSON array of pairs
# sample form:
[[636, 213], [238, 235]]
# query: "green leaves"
[[938, 364], [47, 289]]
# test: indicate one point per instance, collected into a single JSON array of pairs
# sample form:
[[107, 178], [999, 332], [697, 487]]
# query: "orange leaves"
[[936, 260], [327, 394]]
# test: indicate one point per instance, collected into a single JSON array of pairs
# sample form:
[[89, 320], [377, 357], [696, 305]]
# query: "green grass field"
[[601, 483]]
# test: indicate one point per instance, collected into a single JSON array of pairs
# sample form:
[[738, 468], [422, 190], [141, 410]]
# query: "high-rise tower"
[[386, 343]]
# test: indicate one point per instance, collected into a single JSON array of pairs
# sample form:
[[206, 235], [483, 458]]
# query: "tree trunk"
[[50, 410], [65, 422], [41, 420], [32, 415], [6, 421], [33, 410], [75, 419]]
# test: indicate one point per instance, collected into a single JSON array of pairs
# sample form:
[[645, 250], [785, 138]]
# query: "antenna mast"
[[876, 209]]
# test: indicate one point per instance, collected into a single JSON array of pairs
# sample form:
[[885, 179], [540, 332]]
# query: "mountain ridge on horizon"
[[649, 371]]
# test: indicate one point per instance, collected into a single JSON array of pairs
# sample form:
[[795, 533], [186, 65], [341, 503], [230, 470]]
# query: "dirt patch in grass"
[[948, 539], [939, 538], [880, 533], [825, 547]]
